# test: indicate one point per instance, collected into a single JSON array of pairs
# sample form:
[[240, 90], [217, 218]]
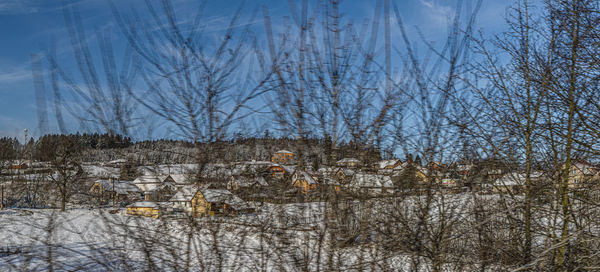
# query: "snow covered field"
[[96, 240], [279, 237]]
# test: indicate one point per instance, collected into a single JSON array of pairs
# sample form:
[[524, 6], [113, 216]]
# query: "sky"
[[29, 27]]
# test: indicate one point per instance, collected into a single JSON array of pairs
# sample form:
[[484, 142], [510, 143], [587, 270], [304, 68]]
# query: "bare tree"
[[200, 85], [64, 156], [7, 154]]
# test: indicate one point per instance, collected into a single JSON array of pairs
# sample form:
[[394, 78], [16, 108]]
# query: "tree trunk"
[[63, 202]]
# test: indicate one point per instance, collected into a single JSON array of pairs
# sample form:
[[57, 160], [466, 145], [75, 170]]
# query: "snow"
[[371, 181], [280, 237], [224, 196], [166, 169], [145, 204], [184, 194], [348, 160], [180, 178], [150, 179], [387, 163], [119, 186], [515, 179], [101, 171]]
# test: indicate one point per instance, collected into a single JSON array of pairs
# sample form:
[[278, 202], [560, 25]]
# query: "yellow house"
[[304, 181], [581, 172], [419, 175], [408, 170], [144, 208], [207, 202], [343, 175], [282, 156]]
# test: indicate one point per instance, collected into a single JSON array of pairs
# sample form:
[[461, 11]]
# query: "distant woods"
[[105, 147]]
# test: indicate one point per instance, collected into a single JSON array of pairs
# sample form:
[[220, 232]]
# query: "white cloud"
[[437, 15], [17, 7], [426, 3], [15, 75]]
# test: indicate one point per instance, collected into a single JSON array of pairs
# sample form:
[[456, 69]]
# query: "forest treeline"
[[105, 147]]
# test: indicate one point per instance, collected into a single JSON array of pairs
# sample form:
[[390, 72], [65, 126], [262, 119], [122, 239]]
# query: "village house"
[[581, 173], [408, 174], [19, 166], [179, 179], [282, 157], [343, 175], [372, 184], [156, 187], [437, 166], [329, 184], [514, 183], [348, 163], [245, 183], [199, 202], [183, 198], [279, 171], [254, 167], [304, 181], [387, 164], [115, 191]]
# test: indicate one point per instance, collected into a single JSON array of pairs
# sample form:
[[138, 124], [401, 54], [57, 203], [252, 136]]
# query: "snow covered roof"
[[149, 187], [401, 166], [244, 181], [284, 151], [464, 167], [515, 179], [101, 171], [118, 161], [387, 163], [224, 196], [165, 169], [330, 181], [399, 170], [119, 186], [145, 204], [289, 168], [371, 180], [307, 177], [585, 167], [150, 179], [348, 160], [253, 162], [185, 194], [345, 171], [326, 170], [180, 178]]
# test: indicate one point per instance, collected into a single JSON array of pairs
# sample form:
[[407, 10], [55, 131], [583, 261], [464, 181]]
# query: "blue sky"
[[27, 27]]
